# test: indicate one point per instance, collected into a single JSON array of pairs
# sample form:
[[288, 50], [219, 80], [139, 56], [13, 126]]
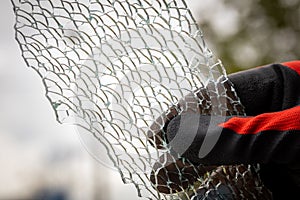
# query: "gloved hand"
[[271, 95]]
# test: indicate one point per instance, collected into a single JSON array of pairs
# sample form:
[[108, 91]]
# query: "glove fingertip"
[[173, 128]]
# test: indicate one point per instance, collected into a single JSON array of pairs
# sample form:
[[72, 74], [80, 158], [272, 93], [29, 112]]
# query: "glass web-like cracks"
[[118, 70]]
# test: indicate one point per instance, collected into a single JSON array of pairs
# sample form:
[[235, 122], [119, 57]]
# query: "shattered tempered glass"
[[121, 70]]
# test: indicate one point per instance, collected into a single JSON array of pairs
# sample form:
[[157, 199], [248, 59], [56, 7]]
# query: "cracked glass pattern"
[[120, 71]]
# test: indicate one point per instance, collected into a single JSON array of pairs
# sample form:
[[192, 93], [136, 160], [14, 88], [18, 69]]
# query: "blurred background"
[[245, 34], [41, 159]]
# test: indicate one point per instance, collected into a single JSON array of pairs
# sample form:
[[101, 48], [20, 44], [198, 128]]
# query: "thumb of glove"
[[193, 135]]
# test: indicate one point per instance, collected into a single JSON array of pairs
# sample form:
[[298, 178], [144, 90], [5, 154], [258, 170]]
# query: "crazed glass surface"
[[118, 70]]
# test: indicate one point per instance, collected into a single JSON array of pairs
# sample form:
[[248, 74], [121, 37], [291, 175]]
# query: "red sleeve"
[[286, 120], [294, 65], [271, 136]]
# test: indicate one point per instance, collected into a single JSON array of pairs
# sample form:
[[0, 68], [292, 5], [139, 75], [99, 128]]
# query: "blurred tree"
[[251, 33]]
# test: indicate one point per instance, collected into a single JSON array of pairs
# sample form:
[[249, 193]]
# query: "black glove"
[[270, 94]]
